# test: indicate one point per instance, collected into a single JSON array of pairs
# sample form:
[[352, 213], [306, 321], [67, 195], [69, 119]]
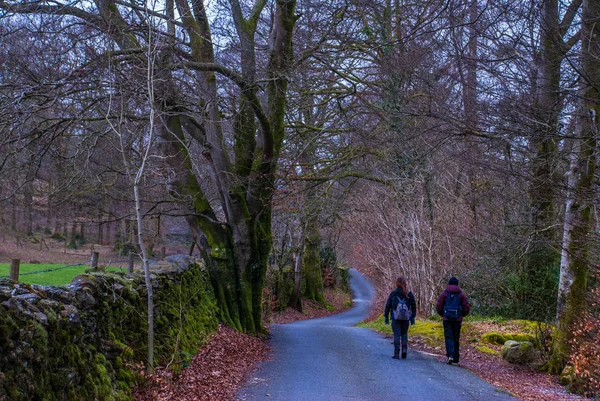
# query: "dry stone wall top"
[[82, 341]]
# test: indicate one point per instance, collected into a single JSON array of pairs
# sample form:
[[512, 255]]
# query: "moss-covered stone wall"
[[80, 342]]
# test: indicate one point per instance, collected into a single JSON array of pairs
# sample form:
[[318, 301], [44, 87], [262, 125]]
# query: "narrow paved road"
[[329, 359]]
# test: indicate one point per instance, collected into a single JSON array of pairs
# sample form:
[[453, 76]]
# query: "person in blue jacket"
[[400, 327]]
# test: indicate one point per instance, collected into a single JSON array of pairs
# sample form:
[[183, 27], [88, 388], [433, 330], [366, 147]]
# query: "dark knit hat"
[[453, 281]]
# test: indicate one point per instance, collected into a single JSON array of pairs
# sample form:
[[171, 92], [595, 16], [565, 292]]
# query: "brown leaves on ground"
[[55, 253], [214, 374], [338, 300], [523, 381]]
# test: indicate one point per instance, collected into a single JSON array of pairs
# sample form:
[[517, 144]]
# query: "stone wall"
[[80, 342]]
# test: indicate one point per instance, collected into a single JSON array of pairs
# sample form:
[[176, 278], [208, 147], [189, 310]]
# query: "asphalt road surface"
[[329, 359]]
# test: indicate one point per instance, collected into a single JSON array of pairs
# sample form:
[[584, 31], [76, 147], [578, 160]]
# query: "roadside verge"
[[480, 353]]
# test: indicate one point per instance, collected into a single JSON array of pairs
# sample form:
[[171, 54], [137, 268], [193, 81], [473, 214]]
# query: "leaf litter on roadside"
[[215, 373]]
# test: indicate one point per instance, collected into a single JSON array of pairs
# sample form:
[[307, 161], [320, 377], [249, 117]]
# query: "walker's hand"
[[412, 321], [387, 321]]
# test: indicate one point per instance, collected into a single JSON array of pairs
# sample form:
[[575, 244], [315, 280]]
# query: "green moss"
[[567, 375], [526, 346], [377, 325], [521, 337], [91, 359], [501, 338], [526, 326], [185, 316], [40, 338], [493, 338], [486, 350], [432, 332], [219, 253]]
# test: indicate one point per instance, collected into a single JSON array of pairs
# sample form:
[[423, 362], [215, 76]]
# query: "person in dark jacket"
[[400, 327], [452, 325]]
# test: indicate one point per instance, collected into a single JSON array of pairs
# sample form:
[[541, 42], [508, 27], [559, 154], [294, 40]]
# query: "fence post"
[[163, 253], [95, 256], [14, 269], [130, 265]]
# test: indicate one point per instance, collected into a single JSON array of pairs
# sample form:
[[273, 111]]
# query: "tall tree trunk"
[[109, 227], [100, 229], [236, 249], [82, 232], [49, 210], [28, 203], [140, 231], [14, 211], [470, 81], [542, 254], [574, 268], [468, 67], [311, 260], [73, 240], [213, 239], [296, 297], [128, 231]]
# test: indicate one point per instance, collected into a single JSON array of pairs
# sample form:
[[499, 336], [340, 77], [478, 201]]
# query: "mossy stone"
[[86, 352], [518, 352]]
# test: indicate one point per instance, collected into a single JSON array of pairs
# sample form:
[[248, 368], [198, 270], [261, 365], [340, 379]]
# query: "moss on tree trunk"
[[580, 199], [311, 262]]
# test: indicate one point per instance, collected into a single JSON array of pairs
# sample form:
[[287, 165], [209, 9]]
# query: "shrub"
[[502, 284], [583, 372], [58, 237]]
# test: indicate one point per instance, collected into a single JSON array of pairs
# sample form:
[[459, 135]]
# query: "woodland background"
[[287, 138]]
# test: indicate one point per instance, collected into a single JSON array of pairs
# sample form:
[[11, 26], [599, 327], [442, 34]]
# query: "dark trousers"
[[452, 336], [400, 329]]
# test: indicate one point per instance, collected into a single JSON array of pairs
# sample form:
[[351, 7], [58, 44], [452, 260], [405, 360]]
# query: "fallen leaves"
[[339, 302], [525, 382], [214, 374]]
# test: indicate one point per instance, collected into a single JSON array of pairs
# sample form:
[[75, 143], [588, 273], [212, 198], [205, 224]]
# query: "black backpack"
[[452, 306]]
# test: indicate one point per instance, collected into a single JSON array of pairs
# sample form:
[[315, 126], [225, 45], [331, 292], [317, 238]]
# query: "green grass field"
[[56, 277]]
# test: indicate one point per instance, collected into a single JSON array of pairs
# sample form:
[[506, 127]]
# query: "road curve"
[[329, 359]]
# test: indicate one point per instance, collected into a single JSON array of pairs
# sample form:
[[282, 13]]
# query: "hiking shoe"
[[404, 355], [450, 360], [396, 357]]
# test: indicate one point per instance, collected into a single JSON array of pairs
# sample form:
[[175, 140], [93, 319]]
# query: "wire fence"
[[50, 270], [53, 269]]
